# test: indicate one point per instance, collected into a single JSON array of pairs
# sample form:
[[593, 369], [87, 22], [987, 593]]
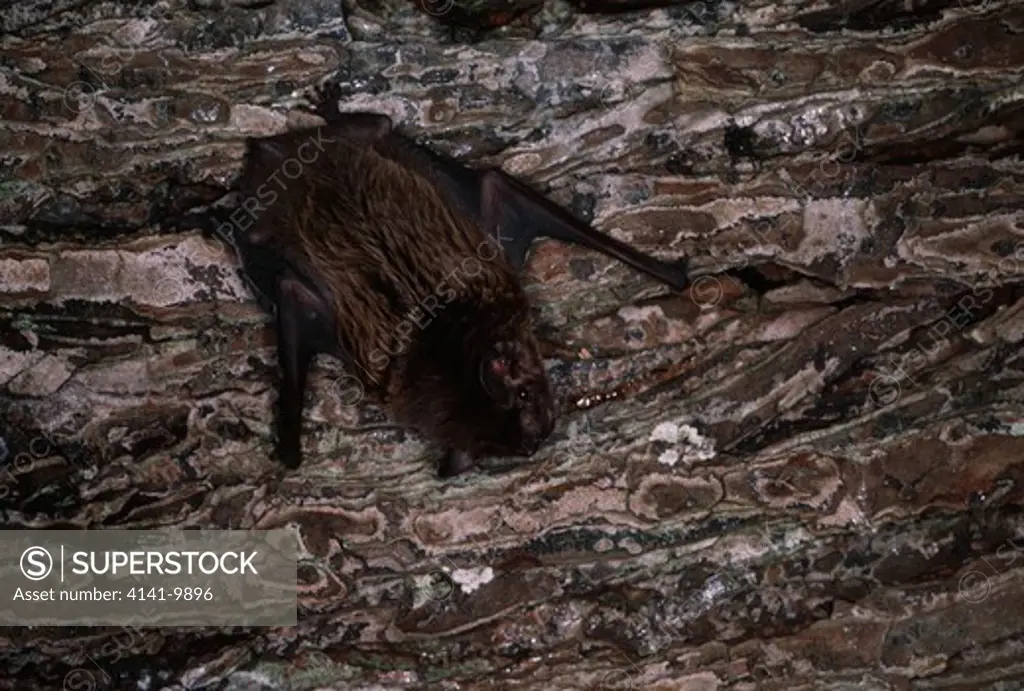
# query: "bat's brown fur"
[[421, 296]]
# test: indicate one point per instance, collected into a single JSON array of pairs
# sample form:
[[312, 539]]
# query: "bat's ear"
[[497, 372]]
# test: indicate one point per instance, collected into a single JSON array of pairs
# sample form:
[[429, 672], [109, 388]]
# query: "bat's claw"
[[325, 101]]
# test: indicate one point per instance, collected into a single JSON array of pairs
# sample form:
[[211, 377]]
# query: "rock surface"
[[802, 473]]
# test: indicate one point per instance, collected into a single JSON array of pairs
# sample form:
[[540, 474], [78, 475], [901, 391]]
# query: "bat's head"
[[473, 381], [518, 393]]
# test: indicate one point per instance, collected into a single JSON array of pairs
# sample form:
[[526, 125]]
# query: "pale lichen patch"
[[631, 313], [699, 448], [666, 431], [42, 378], [669, 457], [13, 363], [23, 276], [471, 579]]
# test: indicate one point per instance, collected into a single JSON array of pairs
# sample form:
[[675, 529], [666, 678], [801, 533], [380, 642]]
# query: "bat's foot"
[[290, 457], [350, 125], [455, 463], [325, 101]]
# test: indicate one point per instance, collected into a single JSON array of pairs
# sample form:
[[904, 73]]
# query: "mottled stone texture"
[[803, 473]]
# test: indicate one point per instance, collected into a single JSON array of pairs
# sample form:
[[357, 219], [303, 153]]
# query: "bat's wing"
[[508, 210], [515, 214], [304, 316], [303, 320], [513, 210]]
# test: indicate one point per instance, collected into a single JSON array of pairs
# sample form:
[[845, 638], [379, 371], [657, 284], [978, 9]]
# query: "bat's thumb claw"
[[678, 274]]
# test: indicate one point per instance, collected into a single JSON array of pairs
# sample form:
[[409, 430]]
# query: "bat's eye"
[[524, 395]]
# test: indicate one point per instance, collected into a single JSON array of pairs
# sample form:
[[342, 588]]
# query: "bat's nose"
[[534, 441]]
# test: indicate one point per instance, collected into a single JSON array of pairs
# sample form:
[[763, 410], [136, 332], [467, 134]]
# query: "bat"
[[359, 239]]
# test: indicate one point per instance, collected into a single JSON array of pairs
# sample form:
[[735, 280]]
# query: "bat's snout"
[[532, 442]]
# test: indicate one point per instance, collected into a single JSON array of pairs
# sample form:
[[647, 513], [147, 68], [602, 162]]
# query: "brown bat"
[[404, 264]]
